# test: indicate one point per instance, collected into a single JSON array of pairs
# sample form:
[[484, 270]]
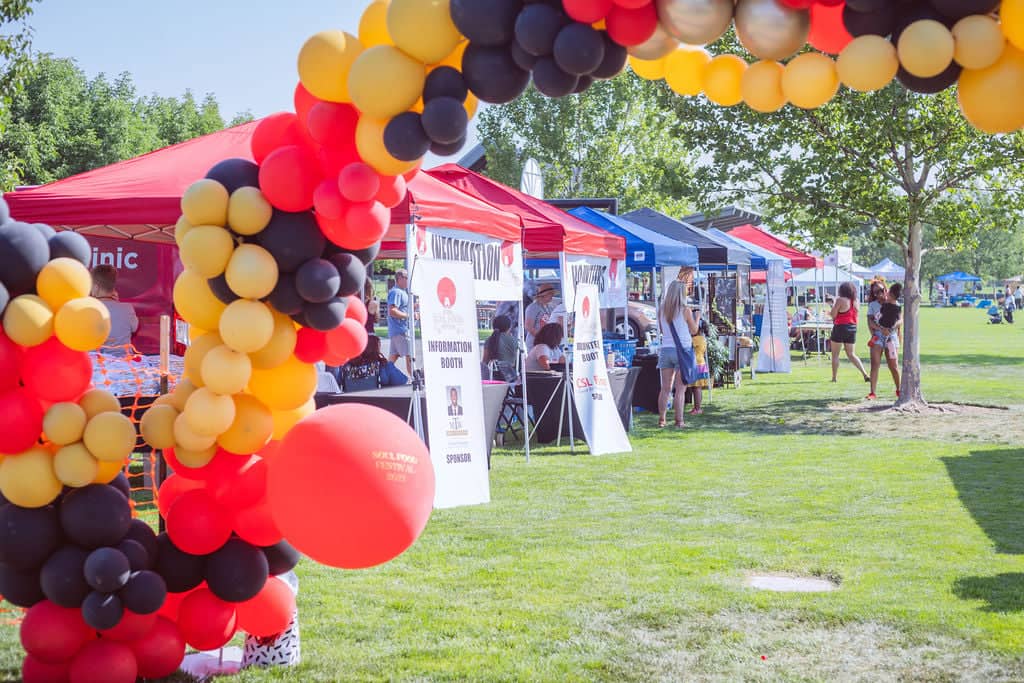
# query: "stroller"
[[994, 315]]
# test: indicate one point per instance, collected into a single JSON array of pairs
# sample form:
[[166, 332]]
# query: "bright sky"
[[244, 52]]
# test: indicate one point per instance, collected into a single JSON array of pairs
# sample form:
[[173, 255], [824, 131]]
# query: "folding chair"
[[514, 414]]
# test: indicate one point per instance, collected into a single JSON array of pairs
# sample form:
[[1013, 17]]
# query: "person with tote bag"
[[677, 363]]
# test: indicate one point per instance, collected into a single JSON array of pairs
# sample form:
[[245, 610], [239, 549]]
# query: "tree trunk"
[[910, 383]]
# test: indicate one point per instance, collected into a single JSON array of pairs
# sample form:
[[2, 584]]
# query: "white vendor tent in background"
[[888, 269], [827, 278]]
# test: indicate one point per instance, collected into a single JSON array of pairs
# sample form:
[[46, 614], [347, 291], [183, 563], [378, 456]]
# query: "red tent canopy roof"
[[546, 229], [766, 240]]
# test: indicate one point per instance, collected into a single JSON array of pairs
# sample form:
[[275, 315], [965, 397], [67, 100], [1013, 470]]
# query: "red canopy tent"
[[766, 240], [546, 229]]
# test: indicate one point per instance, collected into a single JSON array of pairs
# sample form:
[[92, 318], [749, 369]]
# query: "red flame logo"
[[421, 240], [507, 252], [586, 307], [613, 270], [446, 292]]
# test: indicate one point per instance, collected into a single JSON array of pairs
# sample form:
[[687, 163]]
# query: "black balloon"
[[490, 23], [95, 516], [445, 120], [492, 75], [235, 173], [69, 244], [352, 272], [444, 81], [102, 611], [449, 149], [181, 571], [45, 230], [5, 297], [143, 534], [144, 593], [878, 22], [909, 13], [405, 138], [281, 558], [237, 571], [23, 253], [579, 49], [28, 535], [930, 86], [300, 318], [5, 211], [365, 255], [107, 569], [584, 83], [325, 316], [63, 577], [958, 9], [221, 289], [120, 482], [536, 28], [615, 58], [317, 281], [523, 59], [550, 80], [285, 297], [868, 5], [138, 558], [292, 239], [20, 587]]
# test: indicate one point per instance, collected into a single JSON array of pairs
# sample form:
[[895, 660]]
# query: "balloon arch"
[[275, 254]]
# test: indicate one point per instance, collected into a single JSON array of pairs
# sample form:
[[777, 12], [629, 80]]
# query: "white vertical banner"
[[592, 393], [773, 353], [454, 390], [608, 275]]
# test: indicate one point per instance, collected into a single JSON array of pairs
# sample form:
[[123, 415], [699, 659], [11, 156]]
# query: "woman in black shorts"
[[844, 329]]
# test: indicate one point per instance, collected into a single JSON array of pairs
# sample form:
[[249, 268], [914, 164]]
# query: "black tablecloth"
[[542, 386], [396, 400]]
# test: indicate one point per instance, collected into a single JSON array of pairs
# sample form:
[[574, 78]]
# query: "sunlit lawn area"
[[632, 567]]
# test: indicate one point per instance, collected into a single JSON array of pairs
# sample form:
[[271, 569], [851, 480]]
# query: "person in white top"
[[546, 348], [539, 313], [123, 321], [675, 316]]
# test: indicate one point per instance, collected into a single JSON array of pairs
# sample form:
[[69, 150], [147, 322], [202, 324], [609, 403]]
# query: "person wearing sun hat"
[[538, 313]]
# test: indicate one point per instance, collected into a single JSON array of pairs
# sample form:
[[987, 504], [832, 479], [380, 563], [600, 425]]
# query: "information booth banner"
[[497, 266], [773, 355], [607, 275], [592, 393], [454, 389]]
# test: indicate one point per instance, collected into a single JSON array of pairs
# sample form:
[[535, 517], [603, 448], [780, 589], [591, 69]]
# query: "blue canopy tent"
[[958, 276], [955, 283], [645, 249], [715, 254]]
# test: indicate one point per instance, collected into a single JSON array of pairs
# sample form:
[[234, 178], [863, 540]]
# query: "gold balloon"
[[82, 324], [196, 353], [62, 280], [246, 326], [695, 22], [684, 70], [107, 471], [181, 229], [75, 466], [28, 479], [207, 249], [810, 80], [423, 29], [251, 272], [186, 438], [226, 371], [181, 393], [96, 401], [252, 427], [770, 30], [195, 302], [285, 387], [370, 145], [28, 320], [64, 423], [722, 78], [650, 70], [1011, 20], [284, 420], [281, 344], [373, 26], [385, 81], [205, 202], [659, 45], [867, 63], [195, 459], [157, 426], [248, 211], [324, 64], [110, 437], [209, 414], [761, 86], [925, 48], [979, 42], [992, 99]]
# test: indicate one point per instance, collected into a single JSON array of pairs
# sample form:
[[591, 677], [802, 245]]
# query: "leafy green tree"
[[614, 140], [893, 160], [15, 42]]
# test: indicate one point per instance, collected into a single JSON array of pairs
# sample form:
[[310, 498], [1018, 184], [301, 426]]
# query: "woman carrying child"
[[886, 337]]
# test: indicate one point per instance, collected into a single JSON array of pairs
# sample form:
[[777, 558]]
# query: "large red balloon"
[[206, 621], [21, 420], [392, 190], [289, 176], [131, 627], [104, 661], [270, 612], [37, 671], [160, 652], [173, 487], [348, 339], [255, 524], [632, 26], [276, 130], [197, 523], [55, 373], [10, 360], [357, 464], [828, 32], [310, 345], [332, 124], [52, 633]]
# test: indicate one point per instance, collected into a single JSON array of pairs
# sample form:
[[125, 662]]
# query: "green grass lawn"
[[632, 567]]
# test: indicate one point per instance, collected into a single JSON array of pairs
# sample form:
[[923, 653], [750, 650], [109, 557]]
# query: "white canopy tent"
[[828, 278]]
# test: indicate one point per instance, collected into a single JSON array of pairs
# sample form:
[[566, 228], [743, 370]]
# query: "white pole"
[[522, 377]]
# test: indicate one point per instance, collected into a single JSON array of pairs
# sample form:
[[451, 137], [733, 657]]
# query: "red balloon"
[[587, 11], [392, 190], [347, 339], [198, 524], [632, 4], [206, 621], [366, 223], [327, 200], [411, 173], [289, 177], [10, 360], [356, 463], [160, 652], [174, 486], [131, 627], [223, 465], [332, 124], [632, 26], [53, 372], [797, 4], [304, 102], [104, 661], [276, 130], [37, 671], [246, 488], [333, 159], [54, 634], [255, 524], [172, 603], [359, 183], [357, 310], [310, 345], [270, 612], [21, 420], [828, 32], [334, 360]]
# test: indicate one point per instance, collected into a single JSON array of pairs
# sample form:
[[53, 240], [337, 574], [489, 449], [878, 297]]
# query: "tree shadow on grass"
[[990, 484], [971, 359], [788, 416], [1002, 592]]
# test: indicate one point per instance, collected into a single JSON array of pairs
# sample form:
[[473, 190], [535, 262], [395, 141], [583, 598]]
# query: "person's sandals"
[[867, 378], [696, 411], [871, 396], [680, 424], [662, 424]]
